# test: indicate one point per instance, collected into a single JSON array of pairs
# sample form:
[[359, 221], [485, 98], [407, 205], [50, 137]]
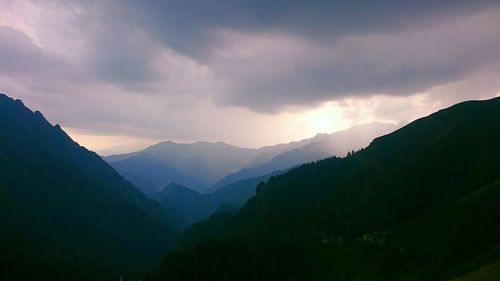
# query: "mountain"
[[149, 174], [239, 192], [487, 273], [420, 203], [308, 150], [197, 165], [65, 213], [206, 167], [189, 206]]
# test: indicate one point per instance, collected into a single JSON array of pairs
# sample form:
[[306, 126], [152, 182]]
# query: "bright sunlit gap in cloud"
[[280, 128], [109, 144], [120, 83], [326, 119]]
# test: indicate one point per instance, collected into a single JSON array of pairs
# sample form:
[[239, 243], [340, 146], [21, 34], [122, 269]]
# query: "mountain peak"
[[7, 99], [49, 180]]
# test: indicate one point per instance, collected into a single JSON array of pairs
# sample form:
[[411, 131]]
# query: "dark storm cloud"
[[132, 63], [19, 56], [401, 63], [364, 47], [183, 25]]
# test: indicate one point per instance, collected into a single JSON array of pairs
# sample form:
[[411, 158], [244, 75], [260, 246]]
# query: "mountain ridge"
[[60, 201], [189, 160], [191, 206], [396, 210]]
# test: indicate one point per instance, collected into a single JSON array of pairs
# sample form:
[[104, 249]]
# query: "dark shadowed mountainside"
[[189, 206], [418, 204], [65, 213]]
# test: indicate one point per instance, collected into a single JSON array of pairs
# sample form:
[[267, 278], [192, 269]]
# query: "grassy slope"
[[429, 190], [487, 273], [457, 238]]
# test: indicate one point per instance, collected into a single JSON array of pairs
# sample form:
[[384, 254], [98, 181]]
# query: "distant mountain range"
[[206, 167], [418, 204], [65, 213], [197, 165], [170, 172], [321, 146], [189, 206]]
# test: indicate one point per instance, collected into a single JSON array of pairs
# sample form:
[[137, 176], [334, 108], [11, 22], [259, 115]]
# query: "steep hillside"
[[487, 273], [417, 204], [64, 211]]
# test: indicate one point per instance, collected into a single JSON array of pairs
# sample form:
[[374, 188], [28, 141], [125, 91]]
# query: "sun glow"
[[109, 144], [326, 119], [321, 126]]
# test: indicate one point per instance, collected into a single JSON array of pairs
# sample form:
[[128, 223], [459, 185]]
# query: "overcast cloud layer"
[[246, 72]]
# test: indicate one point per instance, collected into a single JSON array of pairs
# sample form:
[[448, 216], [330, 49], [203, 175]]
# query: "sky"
[[119, 75]]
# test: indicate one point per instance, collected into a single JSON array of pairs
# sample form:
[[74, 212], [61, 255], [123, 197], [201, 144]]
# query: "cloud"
[[184, 25], [267, 72], [192, 70], [396, 108], [21, 57]]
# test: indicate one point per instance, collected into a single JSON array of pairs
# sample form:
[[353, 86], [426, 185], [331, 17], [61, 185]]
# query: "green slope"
[[486, 273], [458, 237], [190, 206], [363, 217]]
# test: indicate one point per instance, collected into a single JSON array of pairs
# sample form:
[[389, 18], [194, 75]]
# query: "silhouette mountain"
[[207, 167], [150, 174], [308, 150], [189, 206], [418, 204], [65, 213], [197, 165]]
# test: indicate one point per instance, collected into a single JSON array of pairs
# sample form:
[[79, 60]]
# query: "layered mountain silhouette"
[[65, 213], [207, 167], [308, 150], [169, 172], [197, 165], [189, 206], [418, 204]]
